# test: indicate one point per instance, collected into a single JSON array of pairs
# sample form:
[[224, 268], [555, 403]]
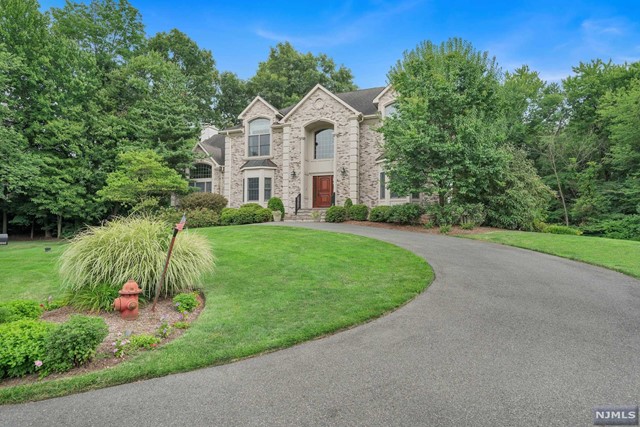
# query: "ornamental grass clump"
[[135, 248]]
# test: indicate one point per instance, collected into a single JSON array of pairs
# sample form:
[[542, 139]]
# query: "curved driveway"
[[503, 337]]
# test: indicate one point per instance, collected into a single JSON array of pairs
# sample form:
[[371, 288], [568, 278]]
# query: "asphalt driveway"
[[503, 337]]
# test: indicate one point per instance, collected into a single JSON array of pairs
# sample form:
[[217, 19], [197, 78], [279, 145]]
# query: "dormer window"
[[259, 138]]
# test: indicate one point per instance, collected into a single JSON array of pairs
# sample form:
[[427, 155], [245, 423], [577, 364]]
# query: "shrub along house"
[[313, 154]]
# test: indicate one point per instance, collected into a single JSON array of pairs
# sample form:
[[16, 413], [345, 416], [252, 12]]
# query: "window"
[[267, 189], [383, 188], [200, 170], [202, 186], [259, 137], [253, 189], [323, 144], [390, 110]]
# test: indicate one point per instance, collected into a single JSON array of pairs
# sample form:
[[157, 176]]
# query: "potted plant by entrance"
[[315, 215], [277, 215]]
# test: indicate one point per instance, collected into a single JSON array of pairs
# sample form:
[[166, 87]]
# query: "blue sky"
[[370, 36]]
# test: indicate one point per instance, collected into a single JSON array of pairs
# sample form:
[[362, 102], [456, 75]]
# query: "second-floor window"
[[259, 138]]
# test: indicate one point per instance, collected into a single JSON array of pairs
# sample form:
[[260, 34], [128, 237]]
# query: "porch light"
[[293, 174], [343, 172]]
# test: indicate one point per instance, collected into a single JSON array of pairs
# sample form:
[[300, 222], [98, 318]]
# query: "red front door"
[[322, 190]]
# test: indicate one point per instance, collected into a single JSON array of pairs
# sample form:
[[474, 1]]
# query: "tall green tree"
[[142, 181], [196, 64], [111, 30], [232, 98], [153, 108], [449, 134], [287, 75], [444, 136]]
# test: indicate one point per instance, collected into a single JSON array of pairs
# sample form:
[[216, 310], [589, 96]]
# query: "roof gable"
[[316, 88], [376, 100], [255, 101], [214, 147]]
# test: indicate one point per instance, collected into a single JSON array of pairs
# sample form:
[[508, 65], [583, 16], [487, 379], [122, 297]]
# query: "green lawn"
[[619, 255], [273, 287], [27, 271]]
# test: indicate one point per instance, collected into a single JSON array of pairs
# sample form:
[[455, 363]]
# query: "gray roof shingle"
[[262, 163], [215, 147], [360, 100]]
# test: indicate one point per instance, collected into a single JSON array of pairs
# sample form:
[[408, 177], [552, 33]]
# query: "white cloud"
[[344, 28]]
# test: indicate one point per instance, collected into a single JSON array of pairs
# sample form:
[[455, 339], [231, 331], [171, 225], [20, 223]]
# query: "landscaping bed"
[[456, 230], [148, 323]]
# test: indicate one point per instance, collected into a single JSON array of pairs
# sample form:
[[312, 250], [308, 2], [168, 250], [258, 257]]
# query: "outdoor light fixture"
[[293, 174], [343, 172]]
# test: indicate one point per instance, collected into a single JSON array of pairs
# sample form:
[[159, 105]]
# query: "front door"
[[322, 190]]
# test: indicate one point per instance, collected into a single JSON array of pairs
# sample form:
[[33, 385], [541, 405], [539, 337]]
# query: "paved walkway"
[[503, 337]]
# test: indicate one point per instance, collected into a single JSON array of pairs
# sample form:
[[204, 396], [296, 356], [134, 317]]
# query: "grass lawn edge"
[[479, 238], [110, 377]]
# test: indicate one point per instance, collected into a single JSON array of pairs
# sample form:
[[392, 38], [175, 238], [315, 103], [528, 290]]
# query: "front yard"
[[273, 287]]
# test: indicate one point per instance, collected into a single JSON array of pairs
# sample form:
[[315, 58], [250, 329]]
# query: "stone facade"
[[356, 164]]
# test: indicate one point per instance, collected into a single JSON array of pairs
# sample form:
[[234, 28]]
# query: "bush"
[[336, 214], [445, 229], [379, 214], [211, 201], [456, 214], [615, 227], [467, 226], [275, 204], [22, 344], [19, 310], [135, 248], [186, 302], [408, 213], [264, 215], [94, 299], [358, 212], [348, 203], [247, 214], [251, 206], [562, 229], [196, 218], [74, 343]]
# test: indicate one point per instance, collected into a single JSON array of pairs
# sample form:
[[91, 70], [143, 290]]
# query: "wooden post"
[[179, 226]]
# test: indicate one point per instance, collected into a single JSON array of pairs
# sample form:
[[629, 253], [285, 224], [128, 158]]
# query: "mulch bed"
[[148, 322], [421, 229]]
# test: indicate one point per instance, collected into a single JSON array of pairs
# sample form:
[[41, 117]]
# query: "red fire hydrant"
[[127, 304]]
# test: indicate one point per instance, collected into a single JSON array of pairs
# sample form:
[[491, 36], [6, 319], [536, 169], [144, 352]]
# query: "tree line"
[[520, 149], [82, 85]]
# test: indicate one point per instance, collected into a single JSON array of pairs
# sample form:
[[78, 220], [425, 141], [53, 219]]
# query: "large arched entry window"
[[323, 144]]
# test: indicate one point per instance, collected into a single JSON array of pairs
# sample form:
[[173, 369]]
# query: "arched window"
[[200, 170], [259, 137], [323, 147], [390, 110], [201, 175]]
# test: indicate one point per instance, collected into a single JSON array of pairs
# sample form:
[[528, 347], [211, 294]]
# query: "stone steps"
[[305, 215]]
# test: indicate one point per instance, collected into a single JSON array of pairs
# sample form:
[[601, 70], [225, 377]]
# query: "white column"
[[353, 138]]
